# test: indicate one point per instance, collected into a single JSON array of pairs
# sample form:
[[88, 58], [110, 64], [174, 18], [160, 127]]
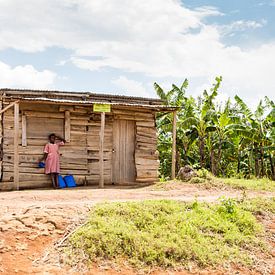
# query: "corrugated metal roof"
[[90, 102], [90, 95]]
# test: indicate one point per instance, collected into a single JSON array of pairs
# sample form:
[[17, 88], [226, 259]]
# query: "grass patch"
[[209, 181], [250, 184], [257, 205], [169, 233]]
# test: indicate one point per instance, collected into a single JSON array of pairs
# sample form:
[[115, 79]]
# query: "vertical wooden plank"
[[124, 170], [115, 158], [1, 140], [67, 126], [16, 147], [24, 130], [122, 151], [174, 135], [130, 152], [101, 146]]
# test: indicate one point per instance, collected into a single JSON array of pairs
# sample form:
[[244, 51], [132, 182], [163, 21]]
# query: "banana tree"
[[174, 97]]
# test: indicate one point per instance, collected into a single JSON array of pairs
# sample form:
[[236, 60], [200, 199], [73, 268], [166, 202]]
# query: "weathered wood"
[[67, 126], [8, 107], [124, 169], [6, 186], [43, 114], [82, 153], [146, 123], [174, 137], [16, 147], [147, 180], [101, 146], [146, 140], [147, 162], [24, 130], [66, 108]]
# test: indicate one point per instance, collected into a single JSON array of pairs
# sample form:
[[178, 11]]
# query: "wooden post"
[[24, 130], [67, 126], [101, 151], [174, 137], [16, 147]]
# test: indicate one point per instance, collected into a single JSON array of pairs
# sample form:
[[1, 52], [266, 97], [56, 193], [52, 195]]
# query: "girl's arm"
[[44, 156], [61, 139]]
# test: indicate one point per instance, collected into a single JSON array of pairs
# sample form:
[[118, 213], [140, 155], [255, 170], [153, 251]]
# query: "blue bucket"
[[41, 164], [70, 182], [61, 182]]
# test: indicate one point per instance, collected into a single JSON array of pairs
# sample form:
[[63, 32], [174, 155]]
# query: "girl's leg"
[[53, 180], [56, 180]]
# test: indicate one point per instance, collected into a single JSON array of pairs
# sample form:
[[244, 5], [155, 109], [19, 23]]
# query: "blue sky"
[[123, 47]]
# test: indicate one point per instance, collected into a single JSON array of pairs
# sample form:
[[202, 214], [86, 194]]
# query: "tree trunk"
[[212, 161], [272, 167], [256, 162], [178, 161], [239, 162], [201, 147], [219, 157], [262, 161]]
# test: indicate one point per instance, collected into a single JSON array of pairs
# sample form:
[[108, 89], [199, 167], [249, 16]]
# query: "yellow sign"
[[106, 108]]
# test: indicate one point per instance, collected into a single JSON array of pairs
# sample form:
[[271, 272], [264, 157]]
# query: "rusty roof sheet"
[[82, 95], [90, 102]]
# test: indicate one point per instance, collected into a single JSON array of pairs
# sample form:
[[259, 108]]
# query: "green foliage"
[[263, 184], [224, 138], [169, 233]]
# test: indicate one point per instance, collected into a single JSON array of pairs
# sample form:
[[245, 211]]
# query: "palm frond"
[[244, 108]]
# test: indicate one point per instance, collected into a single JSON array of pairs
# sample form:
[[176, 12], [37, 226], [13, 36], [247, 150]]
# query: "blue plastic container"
[[41, 164], [61, 182], [70, 182]]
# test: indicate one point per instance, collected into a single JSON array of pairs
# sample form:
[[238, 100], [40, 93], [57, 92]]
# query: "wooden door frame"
[[115, 152]]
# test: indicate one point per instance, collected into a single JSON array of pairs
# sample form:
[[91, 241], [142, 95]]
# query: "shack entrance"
[[124, 151]]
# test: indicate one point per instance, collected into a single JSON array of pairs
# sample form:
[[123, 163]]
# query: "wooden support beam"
[[24, 130], [101, 144], [16, 148], [174, 137], [9, 106], [67, 126]]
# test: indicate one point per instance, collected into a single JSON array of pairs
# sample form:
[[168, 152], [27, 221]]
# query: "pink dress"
[[52, 164]]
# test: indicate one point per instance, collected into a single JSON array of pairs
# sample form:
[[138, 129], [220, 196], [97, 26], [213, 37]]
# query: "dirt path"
[[31, 221]]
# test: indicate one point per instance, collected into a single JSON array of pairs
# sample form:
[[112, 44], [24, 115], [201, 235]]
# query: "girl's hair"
[[51, 135]]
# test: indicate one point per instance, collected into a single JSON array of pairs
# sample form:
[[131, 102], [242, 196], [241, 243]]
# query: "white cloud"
[[161, 39], [242, 25], [25, 77], [130, 87]]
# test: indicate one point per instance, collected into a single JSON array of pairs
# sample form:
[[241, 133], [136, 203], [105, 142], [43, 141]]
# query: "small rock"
[[45, 233], [60, 232], [32, 237], [21, 246], [186, 173]]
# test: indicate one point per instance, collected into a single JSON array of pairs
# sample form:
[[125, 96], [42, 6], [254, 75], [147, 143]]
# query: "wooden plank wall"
[[1, 143], [73, 154], [81, 155], [146, 155], [93, 130]]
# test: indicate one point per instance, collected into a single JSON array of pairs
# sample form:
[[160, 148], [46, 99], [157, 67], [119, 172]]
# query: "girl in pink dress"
[[52, 158]]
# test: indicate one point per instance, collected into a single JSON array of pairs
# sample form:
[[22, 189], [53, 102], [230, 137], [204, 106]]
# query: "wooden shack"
[[110, 139]]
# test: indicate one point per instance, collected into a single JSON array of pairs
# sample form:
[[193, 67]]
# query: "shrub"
[[168, 233]]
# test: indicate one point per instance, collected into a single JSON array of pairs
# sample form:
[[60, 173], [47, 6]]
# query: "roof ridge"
[[91, 94]]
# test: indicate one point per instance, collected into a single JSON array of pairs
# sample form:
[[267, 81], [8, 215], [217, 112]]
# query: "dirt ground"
[[32, 221]]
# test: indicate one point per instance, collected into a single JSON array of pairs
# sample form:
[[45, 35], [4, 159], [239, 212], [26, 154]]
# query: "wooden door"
[[124, 170]]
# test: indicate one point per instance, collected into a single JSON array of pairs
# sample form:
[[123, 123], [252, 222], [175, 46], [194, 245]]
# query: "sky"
[[123, 47]]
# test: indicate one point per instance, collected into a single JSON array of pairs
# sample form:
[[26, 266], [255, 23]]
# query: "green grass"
[[209, 181], [250, 184], [169, 233]]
